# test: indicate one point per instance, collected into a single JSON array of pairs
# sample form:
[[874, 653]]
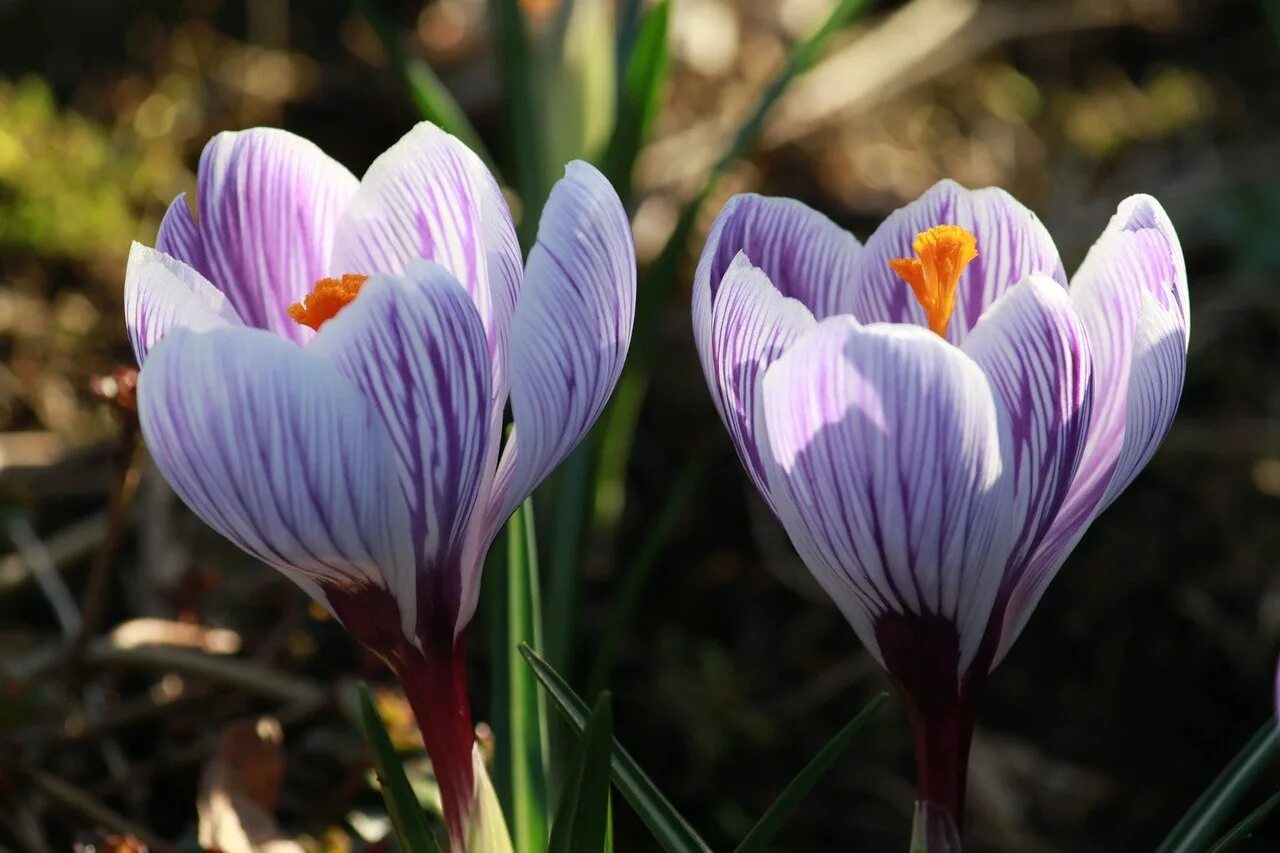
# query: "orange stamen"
[[942, 253], [327, 298]]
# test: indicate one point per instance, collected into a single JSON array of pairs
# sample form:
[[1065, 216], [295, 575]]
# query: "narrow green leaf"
[[671, 830], [519, 70], [762, 833], [1244, 829], [406, 814], [1201, 824], [636, 574], [526, 706], [582, 820], [662, 273], [639, 96], [430, 96]]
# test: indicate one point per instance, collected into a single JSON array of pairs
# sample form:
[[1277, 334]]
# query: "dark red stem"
[[942, 728], [436, 687]]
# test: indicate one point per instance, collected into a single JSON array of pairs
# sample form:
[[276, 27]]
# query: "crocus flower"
[[325, 367], [936, 417]]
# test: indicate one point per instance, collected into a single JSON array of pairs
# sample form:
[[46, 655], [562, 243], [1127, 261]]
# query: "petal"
[[886, 449], [1012, 244], [1130, 293], [161, 293], [275, 450], [752, 325], [179, 236], [428, 196], [570, 332], [414, 346], [269, 202], [1034, 349], [806, 255]]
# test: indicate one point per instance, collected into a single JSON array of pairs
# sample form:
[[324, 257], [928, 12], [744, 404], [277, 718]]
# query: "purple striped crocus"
[[325, 367], [936, 416]]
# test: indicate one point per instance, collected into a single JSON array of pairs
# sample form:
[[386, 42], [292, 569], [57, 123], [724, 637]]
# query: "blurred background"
[[1146, 667]]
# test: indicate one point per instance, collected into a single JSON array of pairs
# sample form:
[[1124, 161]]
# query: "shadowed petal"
[[1012, 244], [806, 255], [278, 452], [752, 325], [414, 346], [179, 235], [1033, 347], [1131, 294], [161, 293], [886, 452], [570, 332], [269, 202]]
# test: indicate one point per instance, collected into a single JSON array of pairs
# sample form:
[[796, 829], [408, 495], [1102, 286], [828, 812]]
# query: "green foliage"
[[582, 821], [407, 817], [758, 839], [1202, 822], [70, 187], [429, 94], [671, 830], [520, 718]]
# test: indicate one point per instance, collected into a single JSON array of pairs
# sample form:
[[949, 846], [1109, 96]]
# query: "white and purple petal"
[[162, 293], [179, 235], [570, 332], [806, 255], [269, 202], [752, 324], [1034, 350], [428, 196], [886, 452], [414, 346], [1131, 294], [1012, 244], [279, 453]]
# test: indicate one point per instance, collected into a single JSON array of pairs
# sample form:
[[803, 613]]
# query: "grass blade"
[[430, 96], [406, 814], [639, 96], [582, 820], [1245, 828], [518, 67], [671, 830], [525, 743], [662, 272], [1200, 825], [762, 833]]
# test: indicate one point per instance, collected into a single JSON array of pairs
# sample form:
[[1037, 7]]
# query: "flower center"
[[326, 299], [942, 253]]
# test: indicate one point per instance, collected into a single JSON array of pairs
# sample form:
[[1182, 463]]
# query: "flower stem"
[[436, 686], [943, 730]]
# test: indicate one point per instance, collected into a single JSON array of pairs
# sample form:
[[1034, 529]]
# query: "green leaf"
[[762, 833], [431, 97], [519, 69], [661, 274], [582, 820], [636, 575], [406, 815], [1201, 824], [521, 736], [639, 96], [1245, 828], [670, 829], [579, 63]]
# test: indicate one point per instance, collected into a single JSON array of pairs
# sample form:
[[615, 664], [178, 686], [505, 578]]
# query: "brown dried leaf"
[[239, 790]]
